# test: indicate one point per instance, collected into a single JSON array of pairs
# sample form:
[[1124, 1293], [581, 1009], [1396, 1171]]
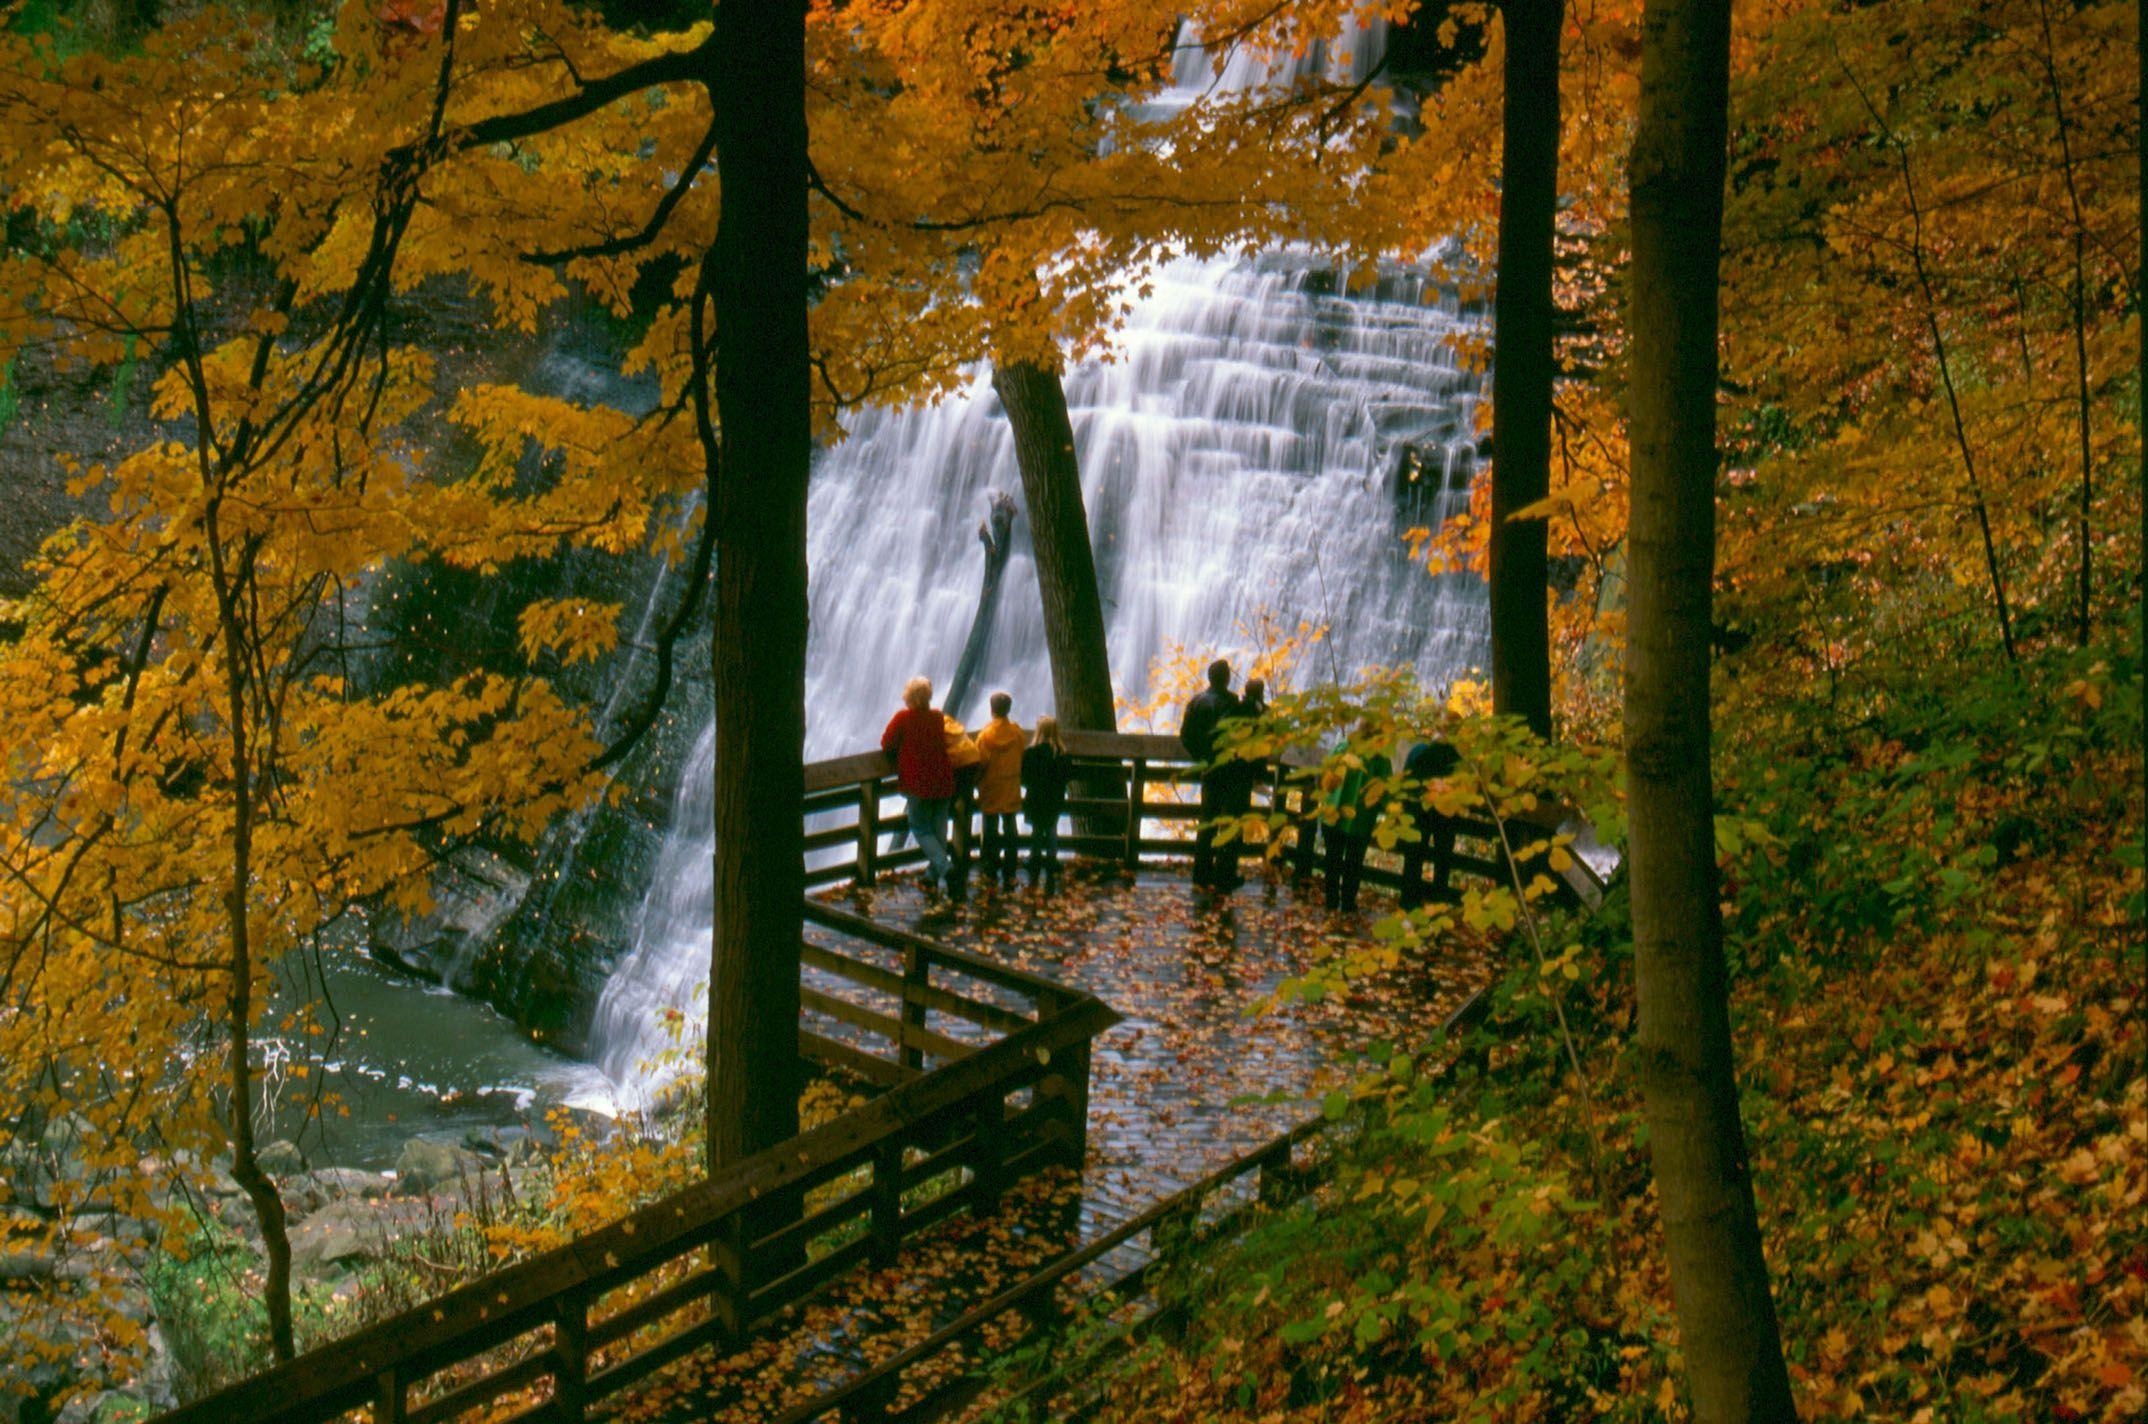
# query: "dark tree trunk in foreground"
[[1719, 1280], [1036, 405], [756, 275], [1522, 361]]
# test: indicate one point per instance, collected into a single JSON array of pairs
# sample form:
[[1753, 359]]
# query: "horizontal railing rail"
[[853, 804], [987, 1076]]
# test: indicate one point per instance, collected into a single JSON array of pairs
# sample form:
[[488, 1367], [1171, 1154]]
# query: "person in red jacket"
[[917, 738]]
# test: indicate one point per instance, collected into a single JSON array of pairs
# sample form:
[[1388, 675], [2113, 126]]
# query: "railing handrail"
[[1043, 989], [473, 1317], [1144, 755]]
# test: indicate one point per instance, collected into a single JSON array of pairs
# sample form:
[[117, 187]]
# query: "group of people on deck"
[[1347, 820], [1009, 773], [938, 763]]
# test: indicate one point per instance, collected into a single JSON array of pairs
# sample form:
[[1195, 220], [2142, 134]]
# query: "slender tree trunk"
[[1719, 1281], [1523, 366], [1928, 290], [1036, 403], [756, 278], [2084, 603], [246, 1170]]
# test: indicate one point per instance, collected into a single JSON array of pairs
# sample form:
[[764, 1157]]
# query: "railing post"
[[1135, 779], [916, 974], [886, 1222], [729, 1300], [570, 1357], [1074, 1102], [868, 830], [1275, 1186], [388, 1397], [1307, 821]]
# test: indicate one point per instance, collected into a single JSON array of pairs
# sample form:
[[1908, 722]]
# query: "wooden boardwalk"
[[1066, 1079], [1169, 1088], [1185, 971]]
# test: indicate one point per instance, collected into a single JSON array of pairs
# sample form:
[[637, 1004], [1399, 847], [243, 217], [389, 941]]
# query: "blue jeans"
[[928, 822]]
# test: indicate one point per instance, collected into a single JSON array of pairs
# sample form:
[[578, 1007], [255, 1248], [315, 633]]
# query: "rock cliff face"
[[534, 933]]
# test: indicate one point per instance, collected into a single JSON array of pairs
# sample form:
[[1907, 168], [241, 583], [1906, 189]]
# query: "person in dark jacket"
[[1428, 762], [1045, 772], [1205, 715], [917, 738]]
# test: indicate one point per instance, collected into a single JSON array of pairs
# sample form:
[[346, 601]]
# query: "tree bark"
[[1036, 404], [755, 275], [1719, 1281], [1523, 366], [996, 534]]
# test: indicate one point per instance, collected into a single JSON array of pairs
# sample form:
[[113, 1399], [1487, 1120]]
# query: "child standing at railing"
[[999, 790], [1044, 779]]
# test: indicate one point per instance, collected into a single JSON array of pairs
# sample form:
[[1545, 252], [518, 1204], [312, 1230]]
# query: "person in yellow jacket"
[[968, 764], [999, 790]]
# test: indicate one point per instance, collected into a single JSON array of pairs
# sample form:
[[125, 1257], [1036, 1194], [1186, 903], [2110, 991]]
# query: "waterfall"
[[1259, 442]]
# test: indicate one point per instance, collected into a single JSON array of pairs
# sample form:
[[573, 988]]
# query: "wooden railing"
[[853, 807], [1269, 1176], [987, 1077]]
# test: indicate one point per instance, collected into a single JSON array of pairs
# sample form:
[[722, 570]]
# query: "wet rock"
[[474, 889], [351, 1182], [425, 1164], [281, 1158], [347, 1231]]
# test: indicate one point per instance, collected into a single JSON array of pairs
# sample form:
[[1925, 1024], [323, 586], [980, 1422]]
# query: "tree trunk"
[[1523, 366], [996, 534], [1036, 404], [1719, 1280], [260, 1189], [756, 276]]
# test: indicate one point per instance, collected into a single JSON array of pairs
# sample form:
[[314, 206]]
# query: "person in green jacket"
[[1348, 835]]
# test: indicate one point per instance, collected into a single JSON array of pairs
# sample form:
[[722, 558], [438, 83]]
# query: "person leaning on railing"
[[917, 738]]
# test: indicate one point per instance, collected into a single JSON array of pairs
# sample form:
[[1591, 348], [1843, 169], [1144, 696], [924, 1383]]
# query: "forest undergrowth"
[[1937, 980]]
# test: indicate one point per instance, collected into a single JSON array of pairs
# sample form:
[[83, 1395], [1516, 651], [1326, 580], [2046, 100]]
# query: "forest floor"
[[1938, 995]]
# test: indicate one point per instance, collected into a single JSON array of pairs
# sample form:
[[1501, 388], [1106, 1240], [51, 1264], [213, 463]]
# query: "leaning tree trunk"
[[1523, 366], [1719, 1280], [996, 534], [756, 275], [1036, 405]]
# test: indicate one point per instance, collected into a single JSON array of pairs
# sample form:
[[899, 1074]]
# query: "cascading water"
[[1259, 445]]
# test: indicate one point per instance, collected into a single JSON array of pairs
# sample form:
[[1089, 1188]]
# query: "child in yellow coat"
[[999, 789]]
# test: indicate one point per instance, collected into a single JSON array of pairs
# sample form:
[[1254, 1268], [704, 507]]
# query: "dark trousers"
[[1436, 839], [1226, 794], [963, 835], [1345, 864], [1002, 844], [1043, 842]]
